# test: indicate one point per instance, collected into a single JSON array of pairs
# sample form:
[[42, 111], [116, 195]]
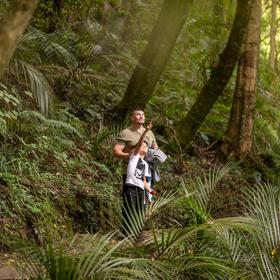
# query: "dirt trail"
[[10, 272], [8, 268]]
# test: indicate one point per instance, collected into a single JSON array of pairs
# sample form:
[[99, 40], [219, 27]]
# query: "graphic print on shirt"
[[139, 170]]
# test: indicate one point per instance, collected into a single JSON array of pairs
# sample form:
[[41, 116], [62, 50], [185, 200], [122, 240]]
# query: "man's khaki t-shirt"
[[129, 137]]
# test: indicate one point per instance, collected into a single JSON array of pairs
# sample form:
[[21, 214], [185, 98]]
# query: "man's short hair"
[[134, 109]]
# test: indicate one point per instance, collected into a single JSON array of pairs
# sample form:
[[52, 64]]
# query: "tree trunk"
[[58, 5], [238, 138], [272, 60], [220, 75], [147, 72], [12, 25], [54, 15], [127, 34]]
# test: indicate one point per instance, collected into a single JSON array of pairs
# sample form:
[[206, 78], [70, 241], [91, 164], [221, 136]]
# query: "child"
[[137, 171]]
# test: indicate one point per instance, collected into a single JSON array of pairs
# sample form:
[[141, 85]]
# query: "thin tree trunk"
[[12, 26], [129, 26], [220, 75], [54, 15], [147, 72], [58, 5], [272, 36], [238, 138]]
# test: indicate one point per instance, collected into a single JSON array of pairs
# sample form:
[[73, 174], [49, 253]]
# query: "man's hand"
[[149, 126]]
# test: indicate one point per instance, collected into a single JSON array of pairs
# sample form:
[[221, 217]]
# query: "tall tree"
[[220, 75], [129, 21], [147, 72], [55, 15], [272, 36], [12, 25], [238, 138]]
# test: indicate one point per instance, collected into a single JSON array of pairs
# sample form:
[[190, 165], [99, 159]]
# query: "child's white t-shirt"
[[137, 169]]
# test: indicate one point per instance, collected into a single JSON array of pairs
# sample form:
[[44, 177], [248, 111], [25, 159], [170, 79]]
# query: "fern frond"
[[32, 115], [63, 126], [60, 126], [3, 127]]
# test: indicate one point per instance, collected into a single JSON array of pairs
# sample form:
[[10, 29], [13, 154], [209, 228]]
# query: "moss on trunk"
[[12, 25], [238, 138]]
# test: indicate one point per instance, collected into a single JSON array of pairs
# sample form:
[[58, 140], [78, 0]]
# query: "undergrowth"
[[52, 173]]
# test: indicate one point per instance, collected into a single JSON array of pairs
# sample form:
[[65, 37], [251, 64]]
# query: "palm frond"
[[136, 221], [208, 182], [51, 48], [199, 264], [3, 126], [176, 238], [265, 267], [199, 189], [166, 199], [39, 86], [231, 242], [100, 262], [57, 46], [263, 203]]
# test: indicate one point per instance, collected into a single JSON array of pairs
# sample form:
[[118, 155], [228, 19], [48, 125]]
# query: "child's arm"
[[147, 187], [141, 140]]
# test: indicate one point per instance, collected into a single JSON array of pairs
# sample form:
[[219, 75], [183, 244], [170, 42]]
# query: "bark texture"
[[238, 138], [12, 26], [220, 75], [147, 72]]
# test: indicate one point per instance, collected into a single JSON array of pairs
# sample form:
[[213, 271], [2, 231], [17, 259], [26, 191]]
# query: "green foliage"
[[137, 222], [57, 169], [55, 177], [212, 248], [100, 262], [8, 113]]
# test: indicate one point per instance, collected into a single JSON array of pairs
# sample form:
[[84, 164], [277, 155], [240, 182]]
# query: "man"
[[130, 136]]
